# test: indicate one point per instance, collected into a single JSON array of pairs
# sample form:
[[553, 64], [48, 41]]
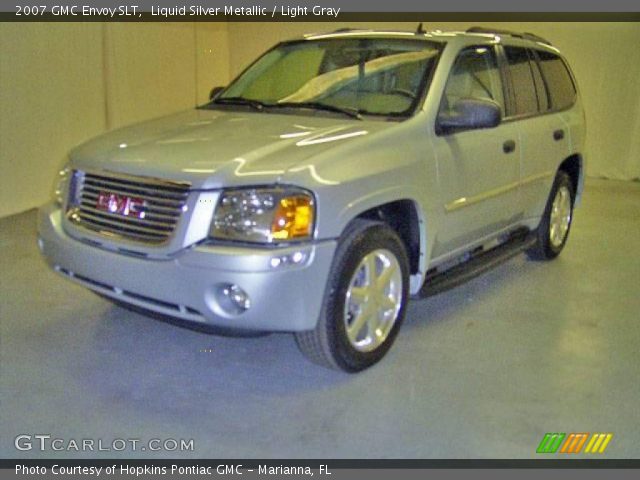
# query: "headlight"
[[264, 215], [60, 186]]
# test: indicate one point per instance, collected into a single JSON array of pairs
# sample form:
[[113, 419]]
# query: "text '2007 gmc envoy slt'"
[[337, 176]]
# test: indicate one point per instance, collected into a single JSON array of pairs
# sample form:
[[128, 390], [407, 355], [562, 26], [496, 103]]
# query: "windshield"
[[378, 76]]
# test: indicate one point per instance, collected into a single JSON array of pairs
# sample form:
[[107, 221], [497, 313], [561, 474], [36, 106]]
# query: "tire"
[[357, 325], [553, 231]]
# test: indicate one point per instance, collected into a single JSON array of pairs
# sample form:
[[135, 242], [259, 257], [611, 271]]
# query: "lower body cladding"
[[253, 289]]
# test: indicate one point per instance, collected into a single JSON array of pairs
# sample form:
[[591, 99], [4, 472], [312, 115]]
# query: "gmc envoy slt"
[[337, 176]]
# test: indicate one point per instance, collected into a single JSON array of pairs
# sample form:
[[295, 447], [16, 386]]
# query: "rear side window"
[[524, 89], [541, 87], [561, 88]]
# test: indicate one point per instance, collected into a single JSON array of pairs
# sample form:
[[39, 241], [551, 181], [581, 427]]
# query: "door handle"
[[558, 135], [509, 146]]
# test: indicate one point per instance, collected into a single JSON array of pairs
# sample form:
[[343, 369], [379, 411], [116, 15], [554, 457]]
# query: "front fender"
[[370, 171]]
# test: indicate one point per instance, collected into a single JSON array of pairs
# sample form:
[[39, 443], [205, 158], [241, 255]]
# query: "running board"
[[441, 281]]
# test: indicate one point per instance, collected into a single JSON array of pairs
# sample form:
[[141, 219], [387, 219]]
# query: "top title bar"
[[353, 5]]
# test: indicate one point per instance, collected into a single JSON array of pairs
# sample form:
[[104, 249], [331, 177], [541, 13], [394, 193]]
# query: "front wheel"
[[553, 231], [365, 301]]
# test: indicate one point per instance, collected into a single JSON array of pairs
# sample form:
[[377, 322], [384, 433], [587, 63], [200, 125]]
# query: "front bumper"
[[187, 285]]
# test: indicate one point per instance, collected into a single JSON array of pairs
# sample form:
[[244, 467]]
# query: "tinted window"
[[541, 89], [474, 75], [526, 100], [561, 88]]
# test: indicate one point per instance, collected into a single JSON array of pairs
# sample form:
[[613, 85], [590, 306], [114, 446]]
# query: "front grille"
[[158, 206]]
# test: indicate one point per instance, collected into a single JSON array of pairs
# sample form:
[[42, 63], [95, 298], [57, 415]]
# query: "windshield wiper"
[[351, 112], [258, 105], [255, 104]]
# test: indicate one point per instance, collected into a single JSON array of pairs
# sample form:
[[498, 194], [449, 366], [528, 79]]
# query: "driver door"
[[478, 170]]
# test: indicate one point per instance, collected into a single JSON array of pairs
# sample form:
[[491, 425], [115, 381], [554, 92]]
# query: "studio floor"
[[482, 371]]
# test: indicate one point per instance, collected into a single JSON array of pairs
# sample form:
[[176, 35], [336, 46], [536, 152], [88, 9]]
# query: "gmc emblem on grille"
[[121, 204]]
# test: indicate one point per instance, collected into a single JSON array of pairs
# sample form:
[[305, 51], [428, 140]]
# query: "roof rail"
[[497, 31], [347, 29], [536, 38]]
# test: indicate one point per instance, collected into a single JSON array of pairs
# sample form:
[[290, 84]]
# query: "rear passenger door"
[[478, 170], [542, 129]]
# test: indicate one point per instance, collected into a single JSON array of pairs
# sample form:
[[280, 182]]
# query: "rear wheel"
[[553, 231], [365, 301]]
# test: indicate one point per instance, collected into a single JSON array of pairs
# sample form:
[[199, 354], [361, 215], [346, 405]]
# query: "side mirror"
[[214, 92], [471, 114]]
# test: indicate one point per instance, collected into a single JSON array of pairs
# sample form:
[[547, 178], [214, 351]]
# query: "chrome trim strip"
[[535, 178], [140, 179], [150, 216], [132, 193], [154, 209], [101, 183], [122, 226], [467, 201], [133, 221]]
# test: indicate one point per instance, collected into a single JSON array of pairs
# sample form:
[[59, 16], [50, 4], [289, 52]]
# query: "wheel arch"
[[407, 219], [573, 166]]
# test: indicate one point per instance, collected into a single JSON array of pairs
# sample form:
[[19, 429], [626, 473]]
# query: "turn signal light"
[[293, 218]]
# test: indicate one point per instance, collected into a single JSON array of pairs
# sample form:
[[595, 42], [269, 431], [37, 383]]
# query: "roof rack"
[[419, 31], [497, 31], [347, 29]]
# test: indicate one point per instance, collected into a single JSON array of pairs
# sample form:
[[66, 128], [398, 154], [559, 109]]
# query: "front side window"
[[524, 89], [475, 75], [378, 76]]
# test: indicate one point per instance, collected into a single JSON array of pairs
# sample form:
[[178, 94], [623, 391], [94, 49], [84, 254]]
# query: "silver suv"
[[336, 176]]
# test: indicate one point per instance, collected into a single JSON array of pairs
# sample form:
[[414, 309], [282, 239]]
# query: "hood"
[[213, 148]]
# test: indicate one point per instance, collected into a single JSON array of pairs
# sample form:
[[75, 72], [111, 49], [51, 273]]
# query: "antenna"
[[420, 30]]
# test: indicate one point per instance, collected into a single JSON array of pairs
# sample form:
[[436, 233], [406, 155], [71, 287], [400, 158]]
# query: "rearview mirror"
[[214, 92], [471, 113]]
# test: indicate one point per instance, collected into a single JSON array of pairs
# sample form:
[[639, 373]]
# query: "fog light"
[[275, 262], [233, 299], [295, 258]]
